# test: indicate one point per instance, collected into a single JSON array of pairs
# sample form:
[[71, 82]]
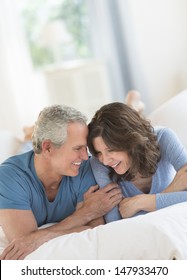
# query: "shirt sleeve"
[[175, 153], [101, 174], [172, 148], [13, 194], [168, 199], [87, 180]]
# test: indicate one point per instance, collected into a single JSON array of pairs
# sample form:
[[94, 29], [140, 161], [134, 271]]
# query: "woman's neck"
[[143, 184]]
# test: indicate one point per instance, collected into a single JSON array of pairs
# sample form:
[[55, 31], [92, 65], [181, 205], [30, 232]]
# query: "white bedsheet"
[[157, 235]]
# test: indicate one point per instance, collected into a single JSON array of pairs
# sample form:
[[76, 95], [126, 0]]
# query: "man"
[[46, 185]]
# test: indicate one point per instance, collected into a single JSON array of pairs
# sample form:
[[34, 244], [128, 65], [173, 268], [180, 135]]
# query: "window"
[[56, 30]]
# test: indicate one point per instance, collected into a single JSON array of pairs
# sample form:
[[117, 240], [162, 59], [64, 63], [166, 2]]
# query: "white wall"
[[157, 32], [157, 43], [20, 96]]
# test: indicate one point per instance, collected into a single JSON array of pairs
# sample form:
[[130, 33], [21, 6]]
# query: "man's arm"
[[21, 228], [97, 221], [24, 235]]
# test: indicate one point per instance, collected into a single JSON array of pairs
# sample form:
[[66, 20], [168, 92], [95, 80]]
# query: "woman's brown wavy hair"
[[123, 129]]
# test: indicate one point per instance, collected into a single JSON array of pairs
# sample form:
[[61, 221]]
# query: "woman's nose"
[[105, 159]]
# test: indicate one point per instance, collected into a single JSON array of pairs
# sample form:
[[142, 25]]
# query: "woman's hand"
[[179, 182], [128, 207]]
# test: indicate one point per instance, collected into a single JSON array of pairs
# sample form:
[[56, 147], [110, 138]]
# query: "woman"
[[150, 164]]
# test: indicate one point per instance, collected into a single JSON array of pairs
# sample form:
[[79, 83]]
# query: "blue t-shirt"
[[20, 188], [173, 157]]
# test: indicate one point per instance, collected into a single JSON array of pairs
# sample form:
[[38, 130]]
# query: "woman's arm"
[[175, 193], [101, 174], [130, 206], [179, 182]]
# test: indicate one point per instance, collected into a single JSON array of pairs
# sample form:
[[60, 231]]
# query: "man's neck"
[[49, 179]]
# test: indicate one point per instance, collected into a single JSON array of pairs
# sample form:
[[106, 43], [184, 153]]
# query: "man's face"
[[67, 159]]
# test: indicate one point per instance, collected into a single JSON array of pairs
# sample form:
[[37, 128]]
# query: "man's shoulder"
[[17, 162], [85, 172], [85, 167]]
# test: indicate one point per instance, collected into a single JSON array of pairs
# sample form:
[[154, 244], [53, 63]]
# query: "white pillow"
[[3, 240], [155, 236], [158, 235], [9, 145], [173, 114]]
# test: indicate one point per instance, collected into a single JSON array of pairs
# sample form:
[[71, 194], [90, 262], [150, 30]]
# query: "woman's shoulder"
[[169, 141], [164, 133]]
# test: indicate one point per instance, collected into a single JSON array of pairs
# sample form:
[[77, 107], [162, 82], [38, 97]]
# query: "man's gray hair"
[[52, 125]]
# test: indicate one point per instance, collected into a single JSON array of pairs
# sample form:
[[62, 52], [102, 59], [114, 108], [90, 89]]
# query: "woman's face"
[[118, 160]]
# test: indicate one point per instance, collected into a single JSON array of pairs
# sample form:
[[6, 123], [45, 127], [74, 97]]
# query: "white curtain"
[[104, 45], [113, 40], [18, 94], [109, 44]]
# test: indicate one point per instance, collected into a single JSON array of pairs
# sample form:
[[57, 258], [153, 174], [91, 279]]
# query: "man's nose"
[[84, 154]]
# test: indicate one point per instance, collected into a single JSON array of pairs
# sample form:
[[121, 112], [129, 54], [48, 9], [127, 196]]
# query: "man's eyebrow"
[[80, 146]]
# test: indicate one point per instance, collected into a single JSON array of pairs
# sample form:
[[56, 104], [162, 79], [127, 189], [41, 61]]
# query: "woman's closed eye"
[[97, 154]]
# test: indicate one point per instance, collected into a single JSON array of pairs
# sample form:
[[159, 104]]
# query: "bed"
[[160, 235]]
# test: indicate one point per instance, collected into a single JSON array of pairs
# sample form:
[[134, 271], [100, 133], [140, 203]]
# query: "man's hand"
[[129, 206], [19, 248], [100, 201]]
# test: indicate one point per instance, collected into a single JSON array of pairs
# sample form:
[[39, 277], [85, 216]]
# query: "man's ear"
[[46, 146]]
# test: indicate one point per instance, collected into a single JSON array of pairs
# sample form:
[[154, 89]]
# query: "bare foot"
[[28, 130], [133, 99]]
